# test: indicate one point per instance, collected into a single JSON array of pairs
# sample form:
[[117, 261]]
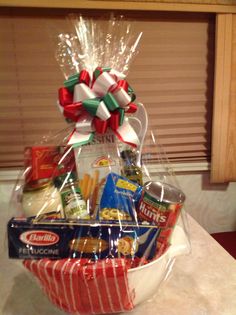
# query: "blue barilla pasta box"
[[119, 199], [95, 240]]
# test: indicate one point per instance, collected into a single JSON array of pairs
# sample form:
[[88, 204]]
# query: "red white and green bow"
[[96, 103]]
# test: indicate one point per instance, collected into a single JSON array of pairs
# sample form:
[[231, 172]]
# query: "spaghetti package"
[[92, 224]]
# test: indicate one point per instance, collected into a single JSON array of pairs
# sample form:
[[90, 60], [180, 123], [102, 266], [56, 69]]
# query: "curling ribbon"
[[97, 103]]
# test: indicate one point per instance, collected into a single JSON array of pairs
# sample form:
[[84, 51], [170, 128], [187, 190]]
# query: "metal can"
[[160, 203]]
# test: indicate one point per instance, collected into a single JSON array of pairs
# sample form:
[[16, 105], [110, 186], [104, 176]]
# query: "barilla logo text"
[[39, 238]]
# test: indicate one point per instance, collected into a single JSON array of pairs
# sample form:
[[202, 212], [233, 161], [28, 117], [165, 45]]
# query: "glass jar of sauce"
[[41, 197]]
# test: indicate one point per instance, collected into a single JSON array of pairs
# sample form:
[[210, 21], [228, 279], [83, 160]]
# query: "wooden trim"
[[124, 5], [231, 139], [222, 104]]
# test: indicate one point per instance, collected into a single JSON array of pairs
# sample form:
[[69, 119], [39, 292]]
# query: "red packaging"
[[160, 204], [43, 162], [79, 287]]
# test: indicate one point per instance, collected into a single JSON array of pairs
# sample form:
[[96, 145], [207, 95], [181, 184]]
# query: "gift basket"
[[92, 225]]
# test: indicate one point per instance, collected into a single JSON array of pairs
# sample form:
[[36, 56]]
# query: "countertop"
[[201, 283]]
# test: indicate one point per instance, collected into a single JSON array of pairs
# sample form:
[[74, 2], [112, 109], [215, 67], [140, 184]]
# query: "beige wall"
[[212, 205]]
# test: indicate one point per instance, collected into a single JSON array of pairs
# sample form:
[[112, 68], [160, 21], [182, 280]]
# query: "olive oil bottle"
[[130, 168]]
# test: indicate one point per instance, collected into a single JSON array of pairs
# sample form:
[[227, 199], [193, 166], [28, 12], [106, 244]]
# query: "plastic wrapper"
[[93, 223]]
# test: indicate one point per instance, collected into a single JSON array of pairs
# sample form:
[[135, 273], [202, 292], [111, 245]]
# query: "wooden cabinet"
[[223, 165]]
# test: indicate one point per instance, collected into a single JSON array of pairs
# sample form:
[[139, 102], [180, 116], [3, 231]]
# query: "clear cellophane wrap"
[[99, 214]]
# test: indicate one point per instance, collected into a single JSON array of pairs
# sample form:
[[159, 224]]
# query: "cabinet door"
[[223, 166]]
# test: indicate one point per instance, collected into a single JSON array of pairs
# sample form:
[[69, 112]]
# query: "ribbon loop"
[[132, 108], [73, 111], [110, 102], [96, 108], [84, 77], [71, 82], [115, 120], [122, 97], [123, 85], [65, 96], [82, 92], [100, 125], [103, 83], [91, 105], [127, 134]]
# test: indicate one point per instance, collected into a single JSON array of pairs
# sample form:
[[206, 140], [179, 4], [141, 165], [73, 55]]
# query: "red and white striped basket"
[[107, 286]]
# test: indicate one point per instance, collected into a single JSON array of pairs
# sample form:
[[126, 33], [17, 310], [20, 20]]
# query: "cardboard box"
[[83, 240], [43, 162]]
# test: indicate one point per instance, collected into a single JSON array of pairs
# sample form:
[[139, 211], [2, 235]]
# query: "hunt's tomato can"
[[160, 203]]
